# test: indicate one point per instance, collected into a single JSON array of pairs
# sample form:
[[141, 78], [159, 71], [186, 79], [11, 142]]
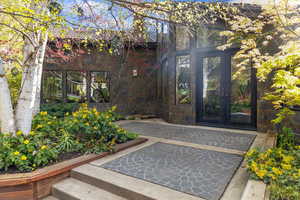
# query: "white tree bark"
[[30, 84], [41, 57], [7, 121]]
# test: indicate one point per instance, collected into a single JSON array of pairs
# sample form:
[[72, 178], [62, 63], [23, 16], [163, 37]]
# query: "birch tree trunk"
[[30, 84], [41, 57], [7, 121]]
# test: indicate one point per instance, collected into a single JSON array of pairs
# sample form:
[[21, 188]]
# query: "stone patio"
[[226, 139], [199, 172], [198, 161]]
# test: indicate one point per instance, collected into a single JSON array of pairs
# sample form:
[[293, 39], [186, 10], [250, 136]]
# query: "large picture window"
[[73, 86], [52, 87], [100, 87], [183, 80]]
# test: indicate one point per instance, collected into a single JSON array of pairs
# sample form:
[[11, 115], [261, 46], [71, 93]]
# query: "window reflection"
[[211, 88], [52, 86], [76, 86], [240, 94], [100, 87], [164, 80], [209, 37], [182, 38], [183, 80]]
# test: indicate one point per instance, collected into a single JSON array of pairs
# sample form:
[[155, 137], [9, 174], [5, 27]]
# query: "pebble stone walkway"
[[200, 172], [225, 139]]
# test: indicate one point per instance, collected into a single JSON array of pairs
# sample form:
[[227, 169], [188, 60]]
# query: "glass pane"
[[100, 87], [212, 88], [240, 95], [76, 86], [183, 80], [165, 81], [165, 39], [209, 37], [52, 86], [182, 38]]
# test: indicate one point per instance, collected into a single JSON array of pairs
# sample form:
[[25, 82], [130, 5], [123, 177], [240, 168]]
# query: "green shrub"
[[85, 130], [25, 153], [286, 138], [59, 109], [68, 143], [47, 124]]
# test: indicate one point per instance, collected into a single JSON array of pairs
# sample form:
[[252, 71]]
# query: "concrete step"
[[73, 189], [126, 186], [50, 198]]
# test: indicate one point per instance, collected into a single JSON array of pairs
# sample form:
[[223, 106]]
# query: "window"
[[182, 38], [52, 87], [183, 80], [100, 87], [76, 86], [209, 37], [165, 37], [164, 80]]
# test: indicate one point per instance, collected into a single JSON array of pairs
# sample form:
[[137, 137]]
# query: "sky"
[[103, 16]]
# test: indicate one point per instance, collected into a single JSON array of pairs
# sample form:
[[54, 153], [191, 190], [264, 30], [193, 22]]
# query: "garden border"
[[37, 184], [258, 190]]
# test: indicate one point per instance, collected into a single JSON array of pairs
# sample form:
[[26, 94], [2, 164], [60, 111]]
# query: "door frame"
[[225, 97]]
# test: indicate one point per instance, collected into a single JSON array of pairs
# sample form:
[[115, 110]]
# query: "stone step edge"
[[71, 188], [50, 198], [126, 186]]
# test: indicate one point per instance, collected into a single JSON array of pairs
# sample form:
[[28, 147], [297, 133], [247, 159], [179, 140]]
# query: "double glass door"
[[226, 94]]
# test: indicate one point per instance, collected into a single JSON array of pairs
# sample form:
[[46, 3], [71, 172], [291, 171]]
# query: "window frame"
[[90, 86], [64, 84], [176, 80], [42, 98]]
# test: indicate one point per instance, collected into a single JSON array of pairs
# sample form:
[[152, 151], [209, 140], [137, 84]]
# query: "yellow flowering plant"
[[95, 129], [280, 168], [85, 131], [25, 153]]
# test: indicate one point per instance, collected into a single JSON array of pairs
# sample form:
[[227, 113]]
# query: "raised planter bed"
[[37, 184], [258, 190]]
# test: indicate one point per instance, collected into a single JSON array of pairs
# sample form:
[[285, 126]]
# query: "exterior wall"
[[186, 113], [143, 94], [131, 95]]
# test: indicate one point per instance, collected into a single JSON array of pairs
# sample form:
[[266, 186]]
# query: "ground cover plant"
[[278, 167], [83, 131]]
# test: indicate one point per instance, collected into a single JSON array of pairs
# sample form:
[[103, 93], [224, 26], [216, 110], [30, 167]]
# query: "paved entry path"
[[224, 139], [193, 160]]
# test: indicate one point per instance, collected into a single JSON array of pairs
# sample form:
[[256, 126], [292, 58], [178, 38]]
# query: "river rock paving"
[[225, 139], [199, 172]]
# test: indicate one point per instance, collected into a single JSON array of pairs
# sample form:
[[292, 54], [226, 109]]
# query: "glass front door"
[[224, 96], [212, 89]]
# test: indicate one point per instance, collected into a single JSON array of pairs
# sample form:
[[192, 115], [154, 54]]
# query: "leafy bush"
[[25, 153], [286, 138], [86, 131], [59, 109], [278, 167]]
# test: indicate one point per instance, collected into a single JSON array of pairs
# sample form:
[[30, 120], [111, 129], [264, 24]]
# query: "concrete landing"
[[225, 138]]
